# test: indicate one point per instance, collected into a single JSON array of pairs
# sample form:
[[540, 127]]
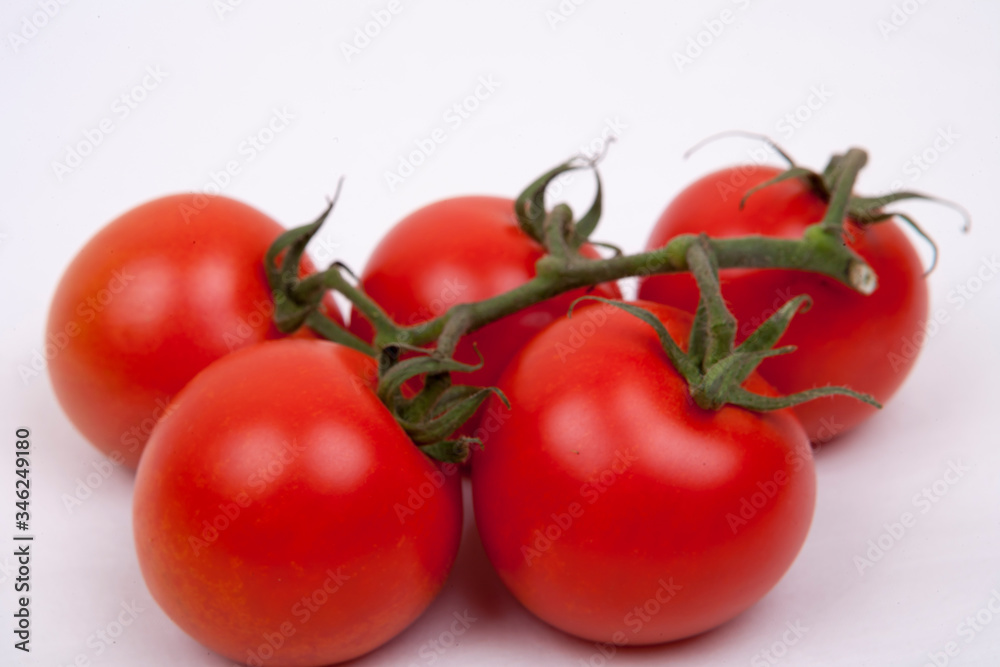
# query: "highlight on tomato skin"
[[866, 343], [608, 489], [267, 510], [154, 297], [461, 250]]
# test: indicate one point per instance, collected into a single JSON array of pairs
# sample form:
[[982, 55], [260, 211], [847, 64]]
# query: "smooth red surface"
[[602, 424], [458, 251], [156, 296], [846, 339], [310, 485]]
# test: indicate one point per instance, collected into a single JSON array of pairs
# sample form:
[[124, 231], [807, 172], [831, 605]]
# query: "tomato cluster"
[[282, 513]]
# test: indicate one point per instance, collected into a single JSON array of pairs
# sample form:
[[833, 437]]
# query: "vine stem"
[[713, 366], [814, 252], [820, 250], [847, 170]]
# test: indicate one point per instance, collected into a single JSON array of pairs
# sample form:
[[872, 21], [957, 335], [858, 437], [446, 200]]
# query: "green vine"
[[713, 366]]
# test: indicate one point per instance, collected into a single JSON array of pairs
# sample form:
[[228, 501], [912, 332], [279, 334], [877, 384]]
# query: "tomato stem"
[[713, 367], [555, 276], [557, 226], [384, 325], [842, 189], [719, 325], [564, 269], [327, 328]]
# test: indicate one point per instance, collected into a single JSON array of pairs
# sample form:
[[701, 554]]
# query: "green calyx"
[[292, 306], [296, 302], [863, 210], [557, 231], [714, 367], [431, 416]]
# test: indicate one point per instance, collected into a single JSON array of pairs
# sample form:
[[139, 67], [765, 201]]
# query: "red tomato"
[[846, 339], [153, 298], [281, 515], [616, 509], [457, 251]]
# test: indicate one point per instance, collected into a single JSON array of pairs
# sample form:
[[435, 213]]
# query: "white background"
[[559, 84]]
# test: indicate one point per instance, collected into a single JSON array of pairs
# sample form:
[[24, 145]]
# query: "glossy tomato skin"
[[845, 339], [457, 251], [616, 509], [274, 510], [153, 298]]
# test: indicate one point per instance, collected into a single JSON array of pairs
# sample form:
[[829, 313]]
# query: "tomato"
[[153, 298], [617, 510], [458, 251], [282, 517], [865, 343]]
